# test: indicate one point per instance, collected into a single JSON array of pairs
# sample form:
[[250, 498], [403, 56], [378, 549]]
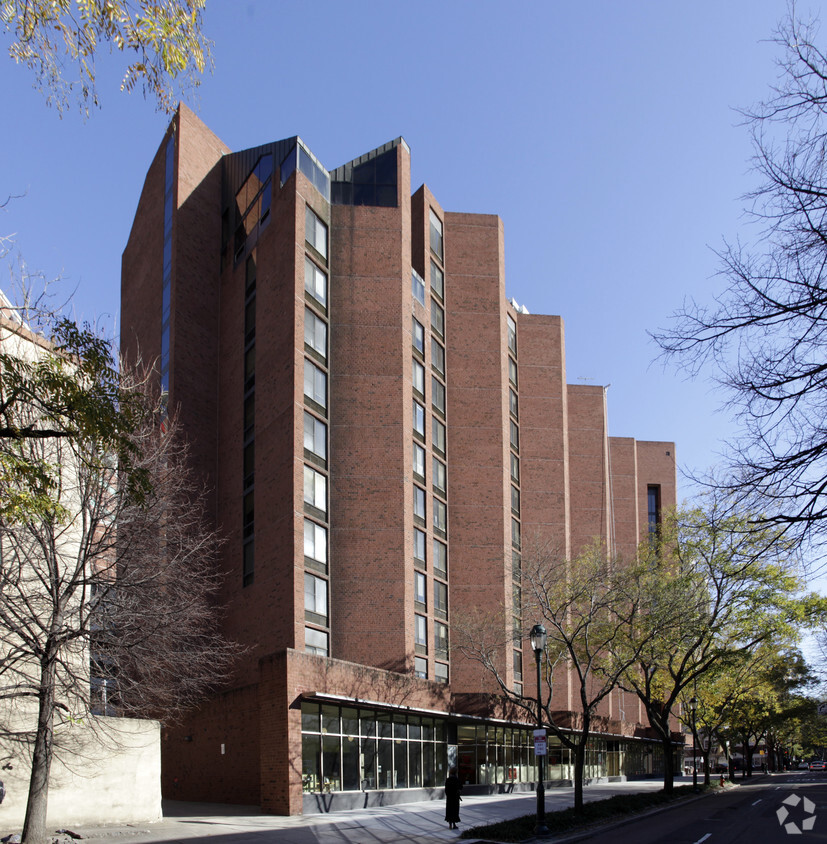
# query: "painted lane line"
[[702, 839], [757, 802]]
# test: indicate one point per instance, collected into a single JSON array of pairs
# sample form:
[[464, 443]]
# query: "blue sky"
[[604, 133]]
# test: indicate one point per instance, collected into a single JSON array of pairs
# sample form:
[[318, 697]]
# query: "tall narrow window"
[[315, 333], [315, 282], [315, 436], [438, 430], [419, 461], [653, 507], [417, 287], [440, 559], [315, 384], [419, 503], [419, 546], [418, 332], [436, 235], [418, 375], [315, 232], [315, 599], [437, 281], [315, 543], [315, 489]]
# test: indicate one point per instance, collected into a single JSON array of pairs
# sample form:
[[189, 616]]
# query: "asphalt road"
[[781, 809]]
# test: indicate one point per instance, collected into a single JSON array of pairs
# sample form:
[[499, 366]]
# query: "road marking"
[[757, 802], [702, 839]]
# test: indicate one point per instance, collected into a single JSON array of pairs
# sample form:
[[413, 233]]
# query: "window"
[[250, 368], [514, 435], [315, 598], [515, 501], [315, 282], [248, 563], [315, 384], [653, 508], [437, 281], [421, 631], [315, 333], [419, 546], [437, 356], [315, 436], [512, 335], [438, 433], [250, 320], [417, 286], [248, 515], [438, 394], [440, 516], [441, 640], [249, 463], [440, 599], [418, 333], [315, 542], [315, 232], [419, 419], [418, 376], [512, 371], [419, 588], [440, 672], [440, 558], [515, 533], [512, 403], [421, 667], [315, 641], [518, 665], [419, 461], [439, 475], [515, 468], [419, 503], [437, 319], [315, 489], [436, 235]]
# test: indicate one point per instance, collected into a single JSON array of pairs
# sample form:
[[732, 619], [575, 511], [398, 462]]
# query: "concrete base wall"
[[106, 770]]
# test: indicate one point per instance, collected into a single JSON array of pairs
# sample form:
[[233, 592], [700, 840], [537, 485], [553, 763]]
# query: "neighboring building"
[[380, 429], [104, 770]]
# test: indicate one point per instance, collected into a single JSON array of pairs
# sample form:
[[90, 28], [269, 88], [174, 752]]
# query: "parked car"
[[818, 765], [803, 766]]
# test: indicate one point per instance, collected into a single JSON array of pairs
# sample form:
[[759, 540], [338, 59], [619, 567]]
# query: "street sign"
[[540, 743]]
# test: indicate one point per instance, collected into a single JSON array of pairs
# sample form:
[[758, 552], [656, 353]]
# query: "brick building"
[[380, 429]]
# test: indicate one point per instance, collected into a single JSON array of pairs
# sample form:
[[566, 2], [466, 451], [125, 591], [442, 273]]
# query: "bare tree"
[[110, 589], [765, 335], [584, 604]]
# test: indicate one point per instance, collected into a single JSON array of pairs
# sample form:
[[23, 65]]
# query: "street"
[[745, 814]]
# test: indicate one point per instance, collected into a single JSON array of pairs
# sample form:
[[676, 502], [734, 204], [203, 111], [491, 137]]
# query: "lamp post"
[[539, 637], [693, 705]]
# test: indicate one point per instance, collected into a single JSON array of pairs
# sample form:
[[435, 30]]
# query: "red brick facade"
[[350, 567]]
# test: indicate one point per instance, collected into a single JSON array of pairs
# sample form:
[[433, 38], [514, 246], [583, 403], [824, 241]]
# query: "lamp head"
[[538, 637]]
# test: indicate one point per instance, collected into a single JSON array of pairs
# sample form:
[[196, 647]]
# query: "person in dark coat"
[[453, 787]]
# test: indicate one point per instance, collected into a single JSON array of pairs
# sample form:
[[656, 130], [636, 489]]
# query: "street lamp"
[[693, 705], [539, 637]]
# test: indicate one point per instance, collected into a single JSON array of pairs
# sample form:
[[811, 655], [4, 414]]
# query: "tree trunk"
[[668, 764], [748, 750], [579, 771], [34, 825]]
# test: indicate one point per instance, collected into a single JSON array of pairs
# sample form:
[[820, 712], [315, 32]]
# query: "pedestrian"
[[453, 787]]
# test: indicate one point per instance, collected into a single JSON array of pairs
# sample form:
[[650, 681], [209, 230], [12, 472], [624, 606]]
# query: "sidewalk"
[[407, 823]]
